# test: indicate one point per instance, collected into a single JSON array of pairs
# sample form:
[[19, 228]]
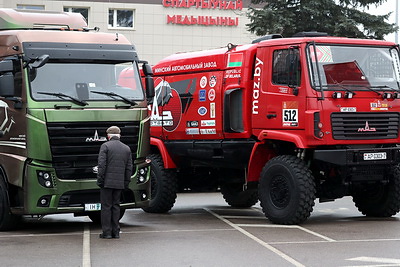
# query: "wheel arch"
[[11, 189], [262, 152], [158, 147], [283, 136], [4, 181], [3, 177]]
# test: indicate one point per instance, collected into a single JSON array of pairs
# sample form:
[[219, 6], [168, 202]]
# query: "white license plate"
[[375, 156], [93, 207]]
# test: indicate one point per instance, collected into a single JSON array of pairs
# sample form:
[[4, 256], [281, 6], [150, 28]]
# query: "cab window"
[[286, 67]]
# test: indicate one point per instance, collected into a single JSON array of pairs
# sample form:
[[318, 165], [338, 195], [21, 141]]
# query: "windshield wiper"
[[384, 87], [126, 100], [372, 89], [63, 96]]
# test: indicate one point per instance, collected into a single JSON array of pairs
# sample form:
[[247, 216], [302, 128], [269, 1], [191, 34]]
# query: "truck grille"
[[75, 146], [365, 126]]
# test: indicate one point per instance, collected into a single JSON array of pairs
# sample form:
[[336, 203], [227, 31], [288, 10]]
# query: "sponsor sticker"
[[207, 123], [213, 81], [212, 110], [192, 131], [208, 131], [378, 105], [202, 111], [192, 124], [202, 95], [211, 95], [203, 82]]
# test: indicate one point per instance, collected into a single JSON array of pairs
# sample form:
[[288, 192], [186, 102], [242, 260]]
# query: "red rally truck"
[[282, 120]]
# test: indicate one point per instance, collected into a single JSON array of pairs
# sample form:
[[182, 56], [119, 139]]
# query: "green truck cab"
[[61, 86]]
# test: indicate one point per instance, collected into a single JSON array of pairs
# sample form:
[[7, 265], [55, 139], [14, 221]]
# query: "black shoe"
[[116, 236], [103, 236]]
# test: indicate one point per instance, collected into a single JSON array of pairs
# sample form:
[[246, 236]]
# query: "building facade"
[[159, 28]]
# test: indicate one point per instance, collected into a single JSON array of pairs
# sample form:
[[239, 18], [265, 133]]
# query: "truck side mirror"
[[147, 70], [148, 80], [7, 88], [149, 83]]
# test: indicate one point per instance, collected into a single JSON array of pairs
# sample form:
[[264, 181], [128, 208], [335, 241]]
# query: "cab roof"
[[37, 19], [217, 59]]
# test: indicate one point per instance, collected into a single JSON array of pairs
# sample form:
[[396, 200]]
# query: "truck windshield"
[[333, 67], [81, 80]]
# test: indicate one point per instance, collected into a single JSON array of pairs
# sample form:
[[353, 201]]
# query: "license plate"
[[375, 156], [93, 207]]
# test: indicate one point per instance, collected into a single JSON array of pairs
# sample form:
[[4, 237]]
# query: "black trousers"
[[110, 210]]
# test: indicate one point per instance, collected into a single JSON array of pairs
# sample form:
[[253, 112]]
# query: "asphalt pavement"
[[202, 230]]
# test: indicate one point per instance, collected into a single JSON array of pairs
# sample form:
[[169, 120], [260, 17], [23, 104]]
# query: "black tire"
[[8, 221], [164, 186], [95, 216], [287, 190], [236, 197], [380, 200]]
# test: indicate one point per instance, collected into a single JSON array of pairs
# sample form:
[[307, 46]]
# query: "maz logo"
[[96, 138], [367, 128]]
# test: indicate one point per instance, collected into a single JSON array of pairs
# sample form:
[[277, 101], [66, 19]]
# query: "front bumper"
[[355, 157], [70, 196]]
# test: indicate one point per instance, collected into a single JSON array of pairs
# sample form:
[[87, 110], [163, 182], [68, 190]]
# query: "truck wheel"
[[236, 197], [164, 186], [8, 221], [381, 200], [286, 190], [95, 216]]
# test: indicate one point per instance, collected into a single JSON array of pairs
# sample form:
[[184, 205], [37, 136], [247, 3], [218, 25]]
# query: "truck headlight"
[[45, 179], [142, 175]]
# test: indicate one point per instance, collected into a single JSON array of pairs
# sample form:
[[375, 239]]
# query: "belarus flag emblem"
[[235, 60]]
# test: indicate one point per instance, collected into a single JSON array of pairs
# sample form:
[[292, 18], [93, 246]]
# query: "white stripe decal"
[[14, 144]]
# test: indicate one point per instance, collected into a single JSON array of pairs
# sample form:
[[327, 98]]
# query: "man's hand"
[[100, 183]]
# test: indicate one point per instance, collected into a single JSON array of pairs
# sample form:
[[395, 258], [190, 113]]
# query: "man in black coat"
[[114, 174]]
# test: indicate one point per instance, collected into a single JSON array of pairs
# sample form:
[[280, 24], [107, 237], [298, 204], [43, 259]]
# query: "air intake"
[[365, 126]]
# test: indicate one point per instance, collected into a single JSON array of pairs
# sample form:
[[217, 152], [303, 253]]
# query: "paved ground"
[[202, 230]]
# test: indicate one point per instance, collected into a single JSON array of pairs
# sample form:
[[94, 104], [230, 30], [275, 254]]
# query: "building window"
[[84, 11], [30, 7], [120, 18]]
